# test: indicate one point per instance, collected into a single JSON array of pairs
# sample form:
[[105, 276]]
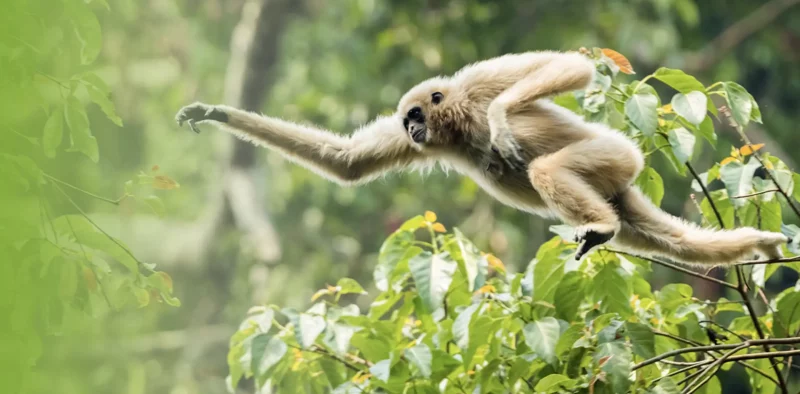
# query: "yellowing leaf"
[[430, 216], [749, 149], [621, 61], [439, 228], [155, 168], [734, 152], [487, 289], [166, 279], [667, 108], [495, 263], [727, 160], [319, 293], [360, 377], [164, 182], [769, 165]]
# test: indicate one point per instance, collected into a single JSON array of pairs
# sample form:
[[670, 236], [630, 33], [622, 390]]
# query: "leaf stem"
[[707, 194], [90, 194], [756, 193]]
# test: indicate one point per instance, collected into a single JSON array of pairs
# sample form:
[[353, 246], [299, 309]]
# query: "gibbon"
[[492, 121]]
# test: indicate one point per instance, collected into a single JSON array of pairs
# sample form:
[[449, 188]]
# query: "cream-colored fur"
[[493, 123]]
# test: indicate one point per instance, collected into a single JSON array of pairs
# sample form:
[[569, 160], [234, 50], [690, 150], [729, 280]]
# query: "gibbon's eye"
[[437, 97], [415, 113]]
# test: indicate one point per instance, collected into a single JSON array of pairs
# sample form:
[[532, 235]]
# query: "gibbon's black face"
[[414, 120]]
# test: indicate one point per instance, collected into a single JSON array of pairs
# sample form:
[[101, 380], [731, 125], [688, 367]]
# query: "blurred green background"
[[247, 227]]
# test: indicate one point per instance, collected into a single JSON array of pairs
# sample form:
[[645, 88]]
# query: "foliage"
[[58, 268], [450, 318]]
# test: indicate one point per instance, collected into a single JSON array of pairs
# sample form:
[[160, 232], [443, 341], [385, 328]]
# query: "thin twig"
[[90, 194], [677, 268], [707, 194], [726, 346], [756, 193], [770, 261], [710, 370]]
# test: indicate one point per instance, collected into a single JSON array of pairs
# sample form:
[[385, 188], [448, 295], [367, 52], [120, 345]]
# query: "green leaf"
[[611, 288], [641, 110], [665, 386], [432, 275], [156, 205], [691, 106], [674, 295], [267, 351], [706, 130], [542, 337], [739, 101], [642, 338], [554, 383], [461, 326], [616, 363], [338, 337], [349, 286], [87, 29], [420, 356], [569, 294], [651, 184], [85, 233], [738, 179], [381, 370], [102, 100], [787, 315], [53, 133], [682, 143], [470, 261], [678, 80], [81, 137], [307, 329], [442, 365], [724, 207]]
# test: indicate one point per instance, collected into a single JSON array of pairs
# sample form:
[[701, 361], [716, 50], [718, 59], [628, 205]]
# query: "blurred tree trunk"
[[255, 47], [238, 205]]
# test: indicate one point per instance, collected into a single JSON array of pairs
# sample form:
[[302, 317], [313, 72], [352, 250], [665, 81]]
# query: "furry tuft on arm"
[[375, 148]]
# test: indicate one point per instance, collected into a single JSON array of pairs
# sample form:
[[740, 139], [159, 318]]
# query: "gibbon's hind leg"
[[577, 183]]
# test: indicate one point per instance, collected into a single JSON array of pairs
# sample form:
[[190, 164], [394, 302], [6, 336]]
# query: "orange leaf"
[[155, 168], [749, 149], [439, 228], [166, 279], [91, 280], [727, 160], [430, 216], [621, 61], [164, 182]]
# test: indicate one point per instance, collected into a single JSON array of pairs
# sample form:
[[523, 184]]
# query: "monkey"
[[494, 121]]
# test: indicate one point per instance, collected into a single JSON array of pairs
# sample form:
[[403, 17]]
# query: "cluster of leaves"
[[449, 318], [58, 265]]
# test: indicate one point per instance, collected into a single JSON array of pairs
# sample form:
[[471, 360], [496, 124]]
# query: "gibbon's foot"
[[199, 112], [588, 238], [509, 152]]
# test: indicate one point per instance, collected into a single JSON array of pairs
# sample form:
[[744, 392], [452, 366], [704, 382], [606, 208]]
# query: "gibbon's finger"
[[193, 126]]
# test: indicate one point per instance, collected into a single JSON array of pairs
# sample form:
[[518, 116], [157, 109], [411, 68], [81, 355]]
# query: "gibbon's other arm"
[[551, 74], [375, 148]]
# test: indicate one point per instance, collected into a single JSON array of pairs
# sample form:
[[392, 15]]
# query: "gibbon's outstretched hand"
[[492, 122]]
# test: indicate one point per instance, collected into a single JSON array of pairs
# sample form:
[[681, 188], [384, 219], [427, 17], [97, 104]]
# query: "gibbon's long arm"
[[550, 74], [375, 148]]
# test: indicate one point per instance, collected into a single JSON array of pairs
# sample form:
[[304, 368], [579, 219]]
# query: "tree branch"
[[677, 268], [727, 346]]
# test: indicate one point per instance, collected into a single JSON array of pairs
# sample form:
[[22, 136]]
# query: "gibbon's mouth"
[[418, 133]]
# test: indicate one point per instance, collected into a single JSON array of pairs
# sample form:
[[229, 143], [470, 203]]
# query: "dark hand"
[[199, 112], [507, 149]]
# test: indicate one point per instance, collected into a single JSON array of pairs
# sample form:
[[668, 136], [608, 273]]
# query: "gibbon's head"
[[423, 110]]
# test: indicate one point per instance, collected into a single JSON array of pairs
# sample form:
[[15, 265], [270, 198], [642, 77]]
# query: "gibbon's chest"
[[512, 188]]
